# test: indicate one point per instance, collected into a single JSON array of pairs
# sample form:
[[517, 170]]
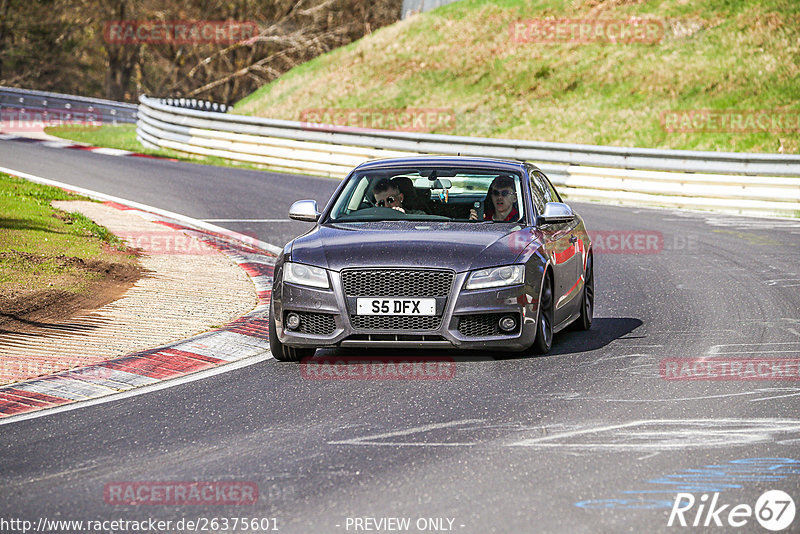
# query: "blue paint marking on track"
[[708, 479]]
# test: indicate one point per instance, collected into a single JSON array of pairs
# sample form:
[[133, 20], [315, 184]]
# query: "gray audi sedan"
[[434, 252]]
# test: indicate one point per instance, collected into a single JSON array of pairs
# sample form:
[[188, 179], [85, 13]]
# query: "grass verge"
[[45, 251], [467, 60], [123, 137]]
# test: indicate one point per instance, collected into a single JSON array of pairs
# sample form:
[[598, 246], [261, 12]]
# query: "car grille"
[[395, 322], [397, 283], [395, 337], [316, 324], [483, 325]]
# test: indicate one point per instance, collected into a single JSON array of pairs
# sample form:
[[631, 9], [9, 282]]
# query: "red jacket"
[[513, 215]]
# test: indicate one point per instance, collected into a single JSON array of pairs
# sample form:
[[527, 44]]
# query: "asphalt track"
[[590, 438]]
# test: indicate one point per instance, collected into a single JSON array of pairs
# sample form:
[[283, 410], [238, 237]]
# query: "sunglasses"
[[502, 193], [389, 200]]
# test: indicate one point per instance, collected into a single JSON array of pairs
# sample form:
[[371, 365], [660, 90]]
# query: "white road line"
[[679, 399], [144, 207], [140, 390], [367, 440], [776, 397], [759, 344], [688, 433], [796, 351], [57, 144], [249, 220], [789, 392], [717, 349], [111, 151], [639, 355], [646, 436]]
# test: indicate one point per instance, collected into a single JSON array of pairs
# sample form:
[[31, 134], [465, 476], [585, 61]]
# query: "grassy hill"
[[711, 55]]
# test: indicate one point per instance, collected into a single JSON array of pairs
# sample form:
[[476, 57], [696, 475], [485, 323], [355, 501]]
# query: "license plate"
[[396, 306]]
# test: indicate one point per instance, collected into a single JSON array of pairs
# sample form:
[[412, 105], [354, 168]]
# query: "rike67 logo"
[[774, 510]]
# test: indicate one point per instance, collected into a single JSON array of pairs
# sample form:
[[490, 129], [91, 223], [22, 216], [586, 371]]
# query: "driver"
[[388, 195]]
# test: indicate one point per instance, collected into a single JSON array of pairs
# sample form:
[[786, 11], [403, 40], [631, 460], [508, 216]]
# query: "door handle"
[[573, 239]]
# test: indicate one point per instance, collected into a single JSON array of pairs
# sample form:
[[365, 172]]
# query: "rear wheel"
[[584, 322], [544, 325], [283, 352]]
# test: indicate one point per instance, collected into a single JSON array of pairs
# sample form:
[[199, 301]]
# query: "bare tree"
[[122, 58], [61, 45]]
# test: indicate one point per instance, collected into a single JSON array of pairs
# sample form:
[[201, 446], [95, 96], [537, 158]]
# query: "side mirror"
[[556, 212], [304, 210]]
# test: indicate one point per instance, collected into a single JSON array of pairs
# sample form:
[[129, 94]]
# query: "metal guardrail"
[[194, 103], [107, 111], [724, 181]]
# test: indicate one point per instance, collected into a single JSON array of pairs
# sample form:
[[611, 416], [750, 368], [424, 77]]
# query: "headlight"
[[496, 277], [305, 275]]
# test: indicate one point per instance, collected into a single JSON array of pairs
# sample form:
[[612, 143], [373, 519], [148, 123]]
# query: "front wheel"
[[283, 352], [544, 325], [584, 322]]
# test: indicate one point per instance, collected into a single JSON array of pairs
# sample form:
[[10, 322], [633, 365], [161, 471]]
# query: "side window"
[[552, 194], [538, 192]]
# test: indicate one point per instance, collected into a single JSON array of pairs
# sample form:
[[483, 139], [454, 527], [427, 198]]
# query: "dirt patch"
[[23, 310]]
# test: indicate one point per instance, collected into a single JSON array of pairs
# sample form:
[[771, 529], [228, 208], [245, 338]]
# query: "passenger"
[[388, 195], [500, 202], [412, 200]]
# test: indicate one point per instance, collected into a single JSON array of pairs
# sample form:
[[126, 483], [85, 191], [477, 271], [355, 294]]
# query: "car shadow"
[[604, 330]]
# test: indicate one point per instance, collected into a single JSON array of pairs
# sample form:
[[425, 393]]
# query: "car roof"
[[443, 161]]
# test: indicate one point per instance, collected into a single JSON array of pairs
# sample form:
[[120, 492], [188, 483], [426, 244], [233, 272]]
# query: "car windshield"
[[441, 194]]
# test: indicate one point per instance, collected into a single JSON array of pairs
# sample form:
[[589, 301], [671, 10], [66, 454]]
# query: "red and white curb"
[[77, 146], [243, 341]]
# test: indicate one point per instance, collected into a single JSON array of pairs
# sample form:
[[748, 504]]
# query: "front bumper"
[[329, 310]]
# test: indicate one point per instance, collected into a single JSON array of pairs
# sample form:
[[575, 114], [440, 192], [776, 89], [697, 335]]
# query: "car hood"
[[457, 246]]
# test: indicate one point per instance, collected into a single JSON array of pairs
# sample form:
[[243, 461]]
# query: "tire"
[[544, 323], [584, 322], [283, 352]]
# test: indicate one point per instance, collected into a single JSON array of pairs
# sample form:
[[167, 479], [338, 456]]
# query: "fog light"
[[292, 321], [507, 323]]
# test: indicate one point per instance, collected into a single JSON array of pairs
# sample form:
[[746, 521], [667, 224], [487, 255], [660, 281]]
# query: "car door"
[[562, 247]]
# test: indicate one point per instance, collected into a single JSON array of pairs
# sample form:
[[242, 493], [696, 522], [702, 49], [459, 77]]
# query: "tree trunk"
[[122, 59], [4, 8]]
